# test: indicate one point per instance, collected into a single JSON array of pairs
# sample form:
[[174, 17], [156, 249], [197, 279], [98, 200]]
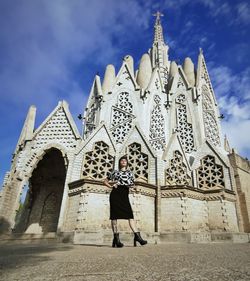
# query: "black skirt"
[[120, 207]]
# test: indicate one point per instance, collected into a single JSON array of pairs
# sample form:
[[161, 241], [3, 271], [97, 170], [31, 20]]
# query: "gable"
[[125, 79], [136, 135], [203, 76], [155, 83], [101, 133], [207, 149], [58, 127], [173, 145], [179, 82], [95, 92]]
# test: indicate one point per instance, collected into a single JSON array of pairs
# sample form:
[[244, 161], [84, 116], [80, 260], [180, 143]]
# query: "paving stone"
[[168, 262]]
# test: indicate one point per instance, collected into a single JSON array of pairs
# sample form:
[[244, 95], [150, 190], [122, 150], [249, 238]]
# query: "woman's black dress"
[[120, 207]]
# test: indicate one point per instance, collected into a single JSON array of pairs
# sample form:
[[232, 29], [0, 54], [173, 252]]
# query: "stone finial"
[[109, 78], [145, 71], [188, 68], [173, 68], [130, 61], [227, 145]]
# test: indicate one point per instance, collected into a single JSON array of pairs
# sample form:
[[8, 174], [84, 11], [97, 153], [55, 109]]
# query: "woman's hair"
[[123, 157]]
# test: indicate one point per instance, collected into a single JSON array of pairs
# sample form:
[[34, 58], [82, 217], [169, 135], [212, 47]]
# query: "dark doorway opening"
[[41, 208]]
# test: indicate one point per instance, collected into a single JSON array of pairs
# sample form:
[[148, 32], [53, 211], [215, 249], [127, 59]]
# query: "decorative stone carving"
[[157, 134], [90, 120], [121, 121], [180, 98], [184, 128], [138, 161], [205, 76], [177, 174], [57, 128], [180, 83], [98, 162], [157, 84], [207, 102], [209, 174], [210, 124], [211, 128]]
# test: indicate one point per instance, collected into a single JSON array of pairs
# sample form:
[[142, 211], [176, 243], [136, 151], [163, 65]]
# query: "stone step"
[[105, 238], [23, 238]]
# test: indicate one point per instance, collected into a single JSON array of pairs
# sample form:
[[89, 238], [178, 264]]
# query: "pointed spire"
[[227, 145], [158, 34], [28, 128], [159, 51]]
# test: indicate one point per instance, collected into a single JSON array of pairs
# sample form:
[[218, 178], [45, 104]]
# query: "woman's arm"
[[110, 178], [106, 182]]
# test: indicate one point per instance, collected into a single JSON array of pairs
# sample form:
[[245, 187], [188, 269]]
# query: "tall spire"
[[159, 50], [158, 34]]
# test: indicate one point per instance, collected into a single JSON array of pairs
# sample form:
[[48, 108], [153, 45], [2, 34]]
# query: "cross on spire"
[[158, 34], [158, 15]]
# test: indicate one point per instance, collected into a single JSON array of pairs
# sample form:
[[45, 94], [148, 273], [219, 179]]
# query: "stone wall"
[[241, 169], [88, 207], [194, 210], [10, 202], [72, 209]]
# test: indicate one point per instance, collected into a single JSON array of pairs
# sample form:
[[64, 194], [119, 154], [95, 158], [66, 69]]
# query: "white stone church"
[[165, 118]]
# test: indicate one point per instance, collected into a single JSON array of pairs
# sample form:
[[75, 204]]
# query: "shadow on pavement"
[[17, 256]]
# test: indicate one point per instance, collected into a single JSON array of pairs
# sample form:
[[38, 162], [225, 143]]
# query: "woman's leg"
[[132, 225], [114, 226]]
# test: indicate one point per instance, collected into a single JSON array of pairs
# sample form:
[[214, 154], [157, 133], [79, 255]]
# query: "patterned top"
[[122, 177]]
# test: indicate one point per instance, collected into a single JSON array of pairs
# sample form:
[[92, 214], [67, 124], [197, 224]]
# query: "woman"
[[120, 207]]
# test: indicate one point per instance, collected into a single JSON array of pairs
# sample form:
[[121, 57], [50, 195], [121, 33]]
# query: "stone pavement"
[[214, 261]]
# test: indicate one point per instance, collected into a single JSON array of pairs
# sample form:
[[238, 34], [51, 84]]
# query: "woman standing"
[[120, 207]]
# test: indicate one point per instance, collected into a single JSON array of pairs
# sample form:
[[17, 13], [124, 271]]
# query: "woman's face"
[[123, 163]]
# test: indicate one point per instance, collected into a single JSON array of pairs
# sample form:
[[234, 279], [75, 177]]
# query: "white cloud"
[[234, 13], [233, 95], [47, 45], [44, 41], [243, 12]]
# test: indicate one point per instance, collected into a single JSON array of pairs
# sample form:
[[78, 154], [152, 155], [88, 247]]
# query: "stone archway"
[[44, 198]]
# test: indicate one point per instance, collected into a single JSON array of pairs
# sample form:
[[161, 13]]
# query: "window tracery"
[[138, 161], [177, 174], [157, 134], [98, 162], [90, 120], [184, 128], [210, 174], [121, 121], [210, 124]]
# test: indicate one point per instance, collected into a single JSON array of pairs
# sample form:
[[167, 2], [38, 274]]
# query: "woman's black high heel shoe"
[[138, 238], [116, 241]]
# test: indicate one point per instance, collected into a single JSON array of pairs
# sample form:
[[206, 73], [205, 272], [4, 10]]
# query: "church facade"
[[165, 118]]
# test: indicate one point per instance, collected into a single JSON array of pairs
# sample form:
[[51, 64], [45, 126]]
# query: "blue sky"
[[51, 50]]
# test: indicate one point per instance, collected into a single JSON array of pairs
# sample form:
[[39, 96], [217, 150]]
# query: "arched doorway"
[[43, 203]]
